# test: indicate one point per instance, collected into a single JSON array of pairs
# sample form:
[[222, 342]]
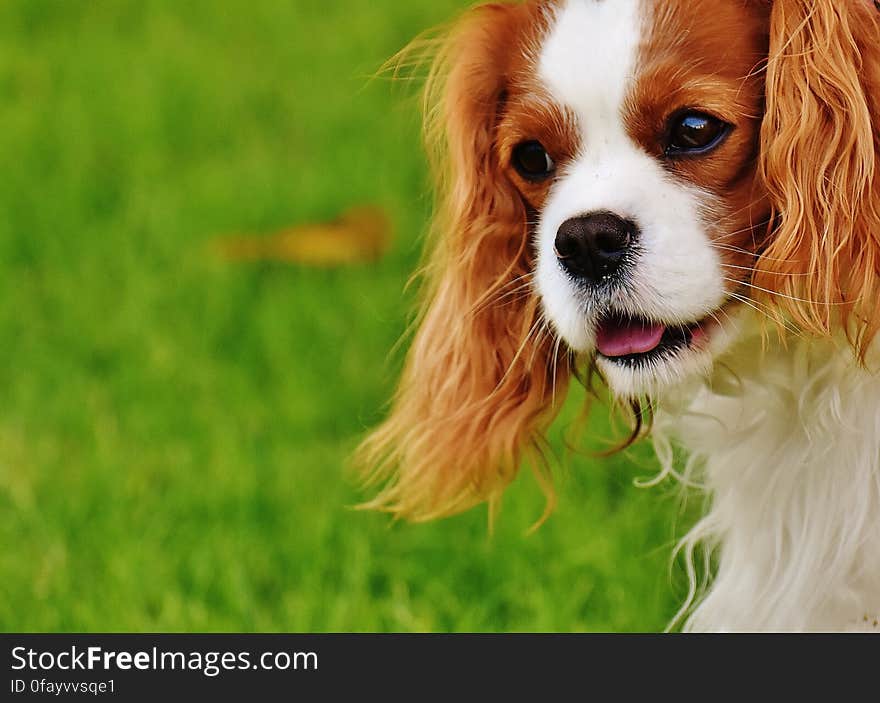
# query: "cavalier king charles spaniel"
[[681, 197]]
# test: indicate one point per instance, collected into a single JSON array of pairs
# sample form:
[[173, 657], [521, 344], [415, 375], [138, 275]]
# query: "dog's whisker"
[[783, 295], [750, 268]]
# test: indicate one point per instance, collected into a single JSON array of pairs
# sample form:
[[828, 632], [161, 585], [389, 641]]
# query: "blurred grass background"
[[174, 430]]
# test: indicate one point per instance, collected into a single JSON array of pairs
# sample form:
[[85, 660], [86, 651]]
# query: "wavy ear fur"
[[820, 161], [483, 373]]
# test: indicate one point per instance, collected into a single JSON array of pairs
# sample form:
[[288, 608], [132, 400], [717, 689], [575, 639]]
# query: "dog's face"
[[642, 177], [618, 178]]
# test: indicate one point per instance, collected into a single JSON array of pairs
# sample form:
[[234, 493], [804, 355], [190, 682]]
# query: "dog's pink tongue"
[[616, 337]]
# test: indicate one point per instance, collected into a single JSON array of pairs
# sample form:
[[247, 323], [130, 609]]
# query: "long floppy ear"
[[482, 374], [820, 161]]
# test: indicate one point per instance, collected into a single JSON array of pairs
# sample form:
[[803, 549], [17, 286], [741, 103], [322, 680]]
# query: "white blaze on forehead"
[[588, 63], [589, 57]]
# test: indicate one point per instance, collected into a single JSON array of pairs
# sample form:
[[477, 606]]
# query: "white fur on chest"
[[787, 443]]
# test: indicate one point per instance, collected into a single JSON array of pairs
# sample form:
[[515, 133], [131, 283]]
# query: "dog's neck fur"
[[785, 441]]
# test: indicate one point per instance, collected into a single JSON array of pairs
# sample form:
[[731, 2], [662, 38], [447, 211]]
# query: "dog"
[[682, 196]]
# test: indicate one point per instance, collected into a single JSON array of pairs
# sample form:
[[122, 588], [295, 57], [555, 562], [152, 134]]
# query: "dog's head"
[[617, 178]]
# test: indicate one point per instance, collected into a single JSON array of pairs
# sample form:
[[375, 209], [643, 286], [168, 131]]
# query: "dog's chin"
[[639, 357]]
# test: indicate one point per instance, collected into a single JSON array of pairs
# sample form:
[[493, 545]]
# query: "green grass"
[[174, 431]]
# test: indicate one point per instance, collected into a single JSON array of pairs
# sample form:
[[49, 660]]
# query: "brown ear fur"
[[820, 162], [483, 373]]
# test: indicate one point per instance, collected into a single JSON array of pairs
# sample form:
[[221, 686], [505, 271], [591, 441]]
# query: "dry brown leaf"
[[360, 235]]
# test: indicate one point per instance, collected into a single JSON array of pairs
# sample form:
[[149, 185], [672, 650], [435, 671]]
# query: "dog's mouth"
[[635, 341]]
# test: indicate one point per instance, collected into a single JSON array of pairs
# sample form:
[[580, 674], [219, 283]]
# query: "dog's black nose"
[[592, 247]]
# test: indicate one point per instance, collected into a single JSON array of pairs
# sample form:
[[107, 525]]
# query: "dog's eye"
[[695, 133], [532, 161]]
